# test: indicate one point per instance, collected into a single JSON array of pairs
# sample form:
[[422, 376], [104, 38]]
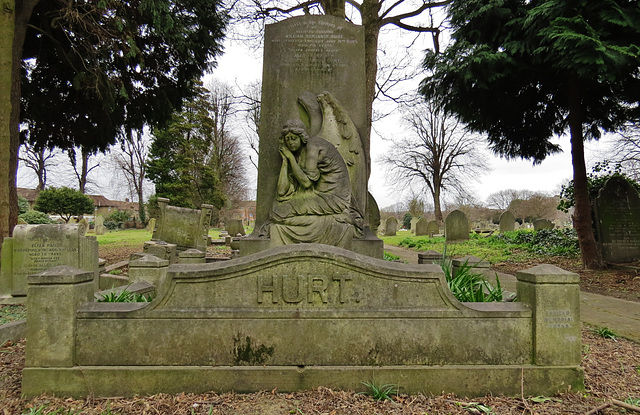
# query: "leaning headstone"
[[507, 222], [35, 248], [539, 224], [391, 226], [234, 227], [186, 228], [456, 227], [433, 228], [421, 227], [617, 211], [99, 225]]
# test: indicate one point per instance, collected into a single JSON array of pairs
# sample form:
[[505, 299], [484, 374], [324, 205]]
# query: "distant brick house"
[[103, 206], [244, 210]]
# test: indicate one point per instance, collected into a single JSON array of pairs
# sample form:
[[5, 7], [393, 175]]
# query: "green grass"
[[518, 246], [10, 313], [605, 333], [380, 392], [125, 238]]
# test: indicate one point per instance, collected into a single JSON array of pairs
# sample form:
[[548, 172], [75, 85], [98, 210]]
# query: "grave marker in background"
[[391, 226], [507, 222], [617, 210], [456, 227], [36, 248]]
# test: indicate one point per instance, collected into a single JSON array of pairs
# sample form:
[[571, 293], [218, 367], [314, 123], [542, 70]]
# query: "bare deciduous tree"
[[437, 154], [131, 161], [626, 150], [225, 149], [83, 167], [40, 160], [502, 199], [250, 101]]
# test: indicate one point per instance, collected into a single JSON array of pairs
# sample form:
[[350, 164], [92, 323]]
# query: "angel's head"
[[294, 135]]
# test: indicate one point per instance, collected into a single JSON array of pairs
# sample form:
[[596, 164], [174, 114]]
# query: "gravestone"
[[456, 227], [151, 226], [539, 224], [433, 228], [314, 75], [507, 222], [422, 227], [234, 227], [99, 225], [36, 248], [186, 228], [414, 220], [617, 211], [390, 226]]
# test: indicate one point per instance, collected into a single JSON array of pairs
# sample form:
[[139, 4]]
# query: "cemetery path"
[[621, 316]]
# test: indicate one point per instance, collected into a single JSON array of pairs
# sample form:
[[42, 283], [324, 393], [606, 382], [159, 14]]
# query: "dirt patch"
[[620, 281], [612, 371]]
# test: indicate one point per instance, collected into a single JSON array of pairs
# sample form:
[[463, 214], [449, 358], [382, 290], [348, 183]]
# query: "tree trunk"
[[370, 10], [7, 21], [437, 210], [591, 255], [14, 17]]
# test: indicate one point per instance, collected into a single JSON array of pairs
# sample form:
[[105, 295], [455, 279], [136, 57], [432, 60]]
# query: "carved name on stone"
[[294, 289]]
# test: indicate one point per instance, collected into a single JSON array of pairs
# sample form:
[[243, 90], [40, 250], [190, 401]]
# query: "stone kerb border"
[[302, 316]]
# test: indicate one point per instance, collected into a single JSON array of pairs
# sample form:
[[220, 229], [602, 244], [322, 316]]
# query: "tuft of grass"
[[469, 287], [390, 257], [605, 333], [632, 401], [380, 392], [125, 296]]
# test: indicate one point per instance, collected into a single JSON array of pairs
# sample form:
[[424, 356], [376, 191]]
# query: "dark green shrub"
[[118, 216], [111, 225], [23, 205], [33, 217]]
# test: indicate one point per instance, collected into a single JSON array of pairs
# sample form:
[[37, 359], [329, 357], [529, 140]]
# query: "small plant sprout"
[[380, 392], [605, 333], [632, 401], [125, 296]]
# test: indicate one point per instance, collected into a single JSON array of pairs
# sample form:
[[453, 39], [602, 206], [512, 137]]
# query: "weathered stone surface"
[[230, 326], [429, 257], [433, 228], [618, 221], [507, 222], [542, 224], [151, 226], [390, 226], [98, 225], [53, 298], [314, 71], [187, 228], [421, 227], [234, 227], [414, 220], [162, 250], [554, 297], [36, 248], [456, 227]]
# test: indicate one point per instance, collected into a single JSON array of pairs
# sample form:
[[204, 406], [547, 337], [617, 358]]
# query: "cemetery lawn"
[[612, 371], [621, 281]]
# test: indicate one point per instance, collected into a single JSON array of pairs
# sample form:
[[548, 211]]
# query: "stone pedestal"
[[53, 297], [429, 257], [162, 250], [554, 297], [148, 268], [191, 256]]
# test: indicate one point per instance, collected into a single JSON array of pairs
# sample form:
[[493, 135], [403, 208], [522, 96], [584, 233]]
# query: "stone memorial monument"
[[310, 303], [234, 227], [422, 227], [36, 248], [314, 148], [456, 227], [507, 222], [617, 211], [414, 220], [186, 228], [390, 226], [539, 224], [433, 228], [98, 225]]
